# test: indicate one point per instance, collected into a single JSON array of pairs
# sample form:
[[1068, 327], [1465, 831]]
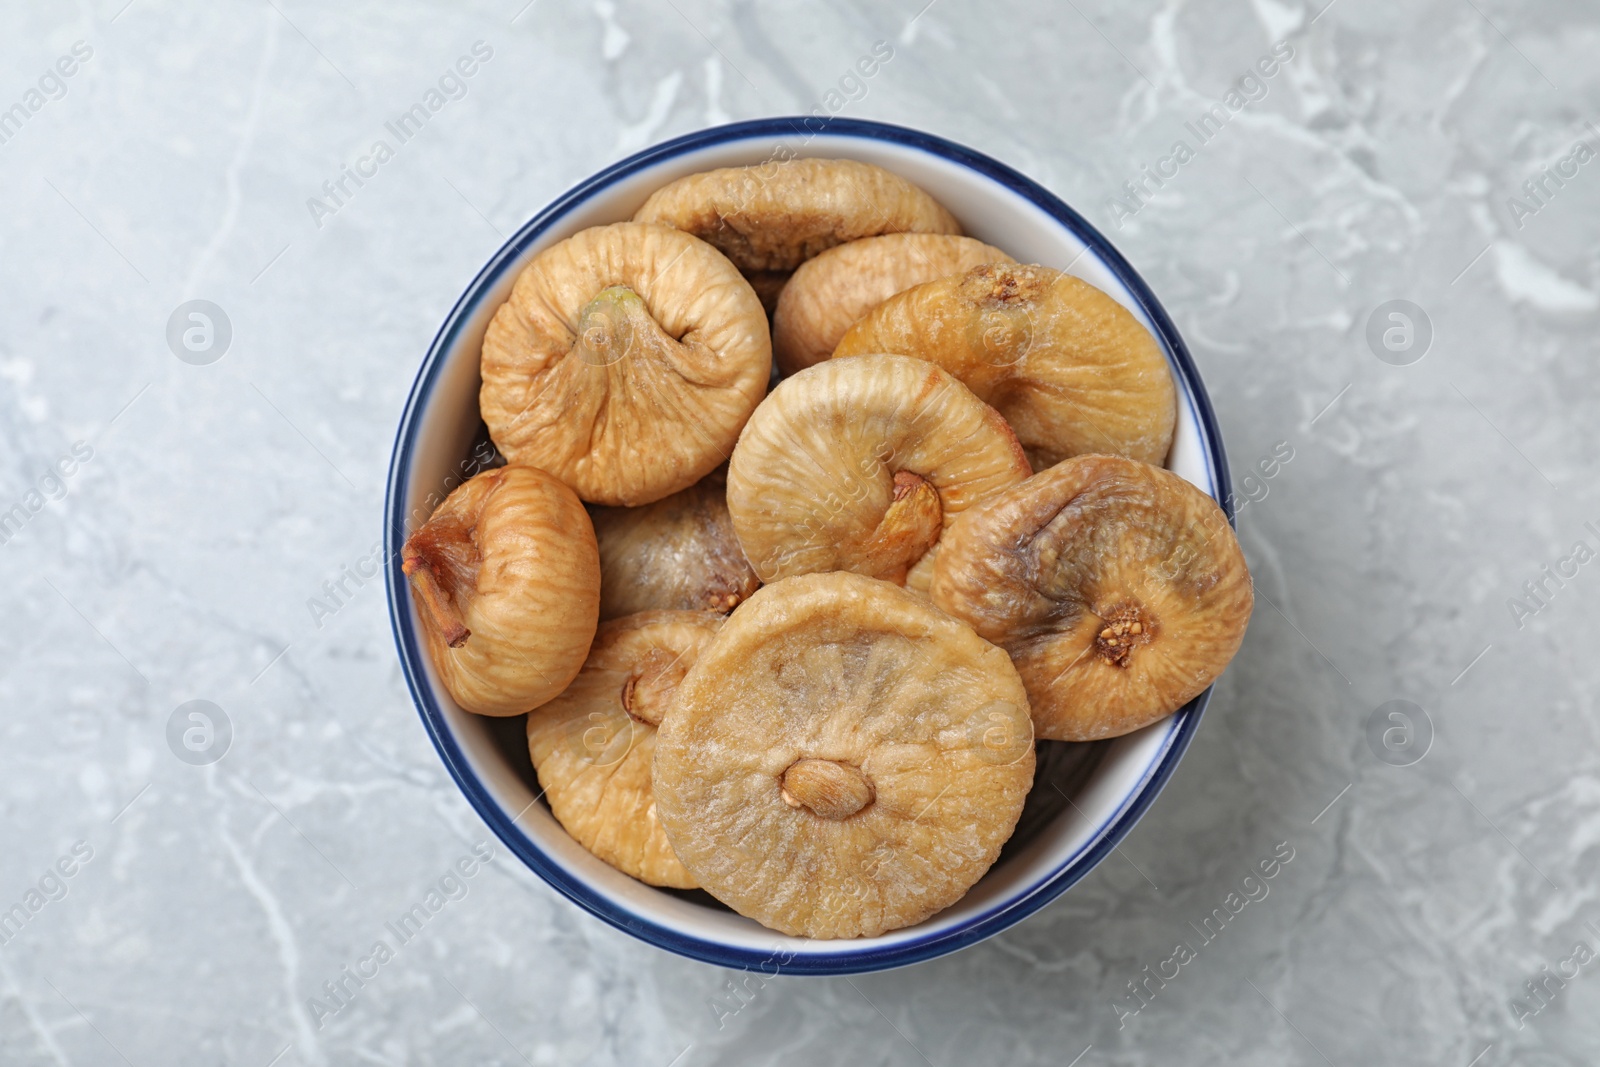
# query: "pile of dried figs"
[[797, 644]]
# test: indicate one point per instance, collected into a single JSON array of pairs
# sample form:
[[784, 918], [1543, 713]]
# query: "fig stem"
[[909, 527], [827, 788], [905, 483], [440, 604], [629, 688]]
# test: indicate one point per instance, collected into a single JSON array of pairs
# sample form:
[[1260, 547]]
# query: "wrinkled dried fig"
[[775, 215], [506, 577], [858, 464], [1117, 587], [1070, 368], [593, 744], [843, 759], [625, 362], [836, 288], [678, 553]]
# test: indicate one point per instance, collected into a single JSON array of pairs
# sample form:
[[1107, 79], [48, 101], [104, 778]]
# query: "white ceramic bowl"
[[1110, 783]]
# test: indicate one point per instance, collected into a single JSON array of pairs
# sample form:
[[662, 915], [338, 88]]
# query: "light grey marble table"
[[177, 519]]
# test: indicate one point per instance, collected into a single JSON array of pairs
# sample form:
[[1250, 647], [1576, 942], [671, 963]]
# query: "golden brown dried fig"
[[625, 362], [1117, 587], [775, 215], [843, 759], [836, 288], [678, 553], [593, 744], [506, 577], [1070, 368], [858, 464]]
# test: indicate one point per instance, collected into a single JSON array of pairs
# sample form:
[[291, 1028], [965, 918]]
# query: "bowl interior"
[[1086, 796]]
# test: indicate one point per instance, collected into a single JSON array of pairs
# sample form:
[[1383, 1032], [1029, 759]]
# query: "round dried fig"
[[775, 215], [843, 759], [1070, 368], [678, 553], [593, 744], [625, 362], [506, 576], [1117, 587], [836, 288], [858, 464]]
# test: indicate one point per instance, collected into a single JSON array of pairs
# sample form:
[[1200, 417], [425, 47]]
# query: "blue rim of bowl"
[[1005, 913]]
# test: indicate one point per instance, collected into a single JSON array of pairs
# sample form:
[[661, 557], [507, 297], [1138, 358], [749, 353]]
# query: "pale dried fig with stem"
[[678, 553], [858, 465], [773, 216], [1118, 589], [843, 759], [625, 362], [831, 291], [1070, 368], [593, 744], [506, 578]]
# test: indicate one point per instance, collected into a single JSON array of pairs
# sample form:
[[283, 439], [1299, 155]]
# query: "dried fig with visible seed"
[[775, 215], [843, 759], [831, 291], [625, 362], [506, 577], [678, 553], [858, 464], [1070, 368], [1117, 587], [593, 744]]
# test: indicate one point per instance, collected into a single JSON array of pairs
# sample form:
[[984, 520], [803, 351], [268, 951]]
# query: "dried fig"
[[836, 288], [843, 759], [858, 464], [775, 215], [1070, 368], [506, 576], [679, 553], [593, 744], [625, 362], [1117, 587]]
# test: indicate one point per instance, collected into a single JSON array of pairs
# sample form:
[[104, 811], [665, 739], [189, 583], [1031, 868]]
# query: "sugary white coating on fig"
[[843, 759]]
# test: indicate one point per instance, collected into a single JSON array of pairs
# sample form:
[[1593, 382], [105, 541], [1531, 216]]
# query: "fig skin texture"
[[506, 568], [858, 465], [844, 759], [625, 362], [1070, 368], [830, 292], [679, 553], [593, 744], [1118, 589], [774, 216]]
